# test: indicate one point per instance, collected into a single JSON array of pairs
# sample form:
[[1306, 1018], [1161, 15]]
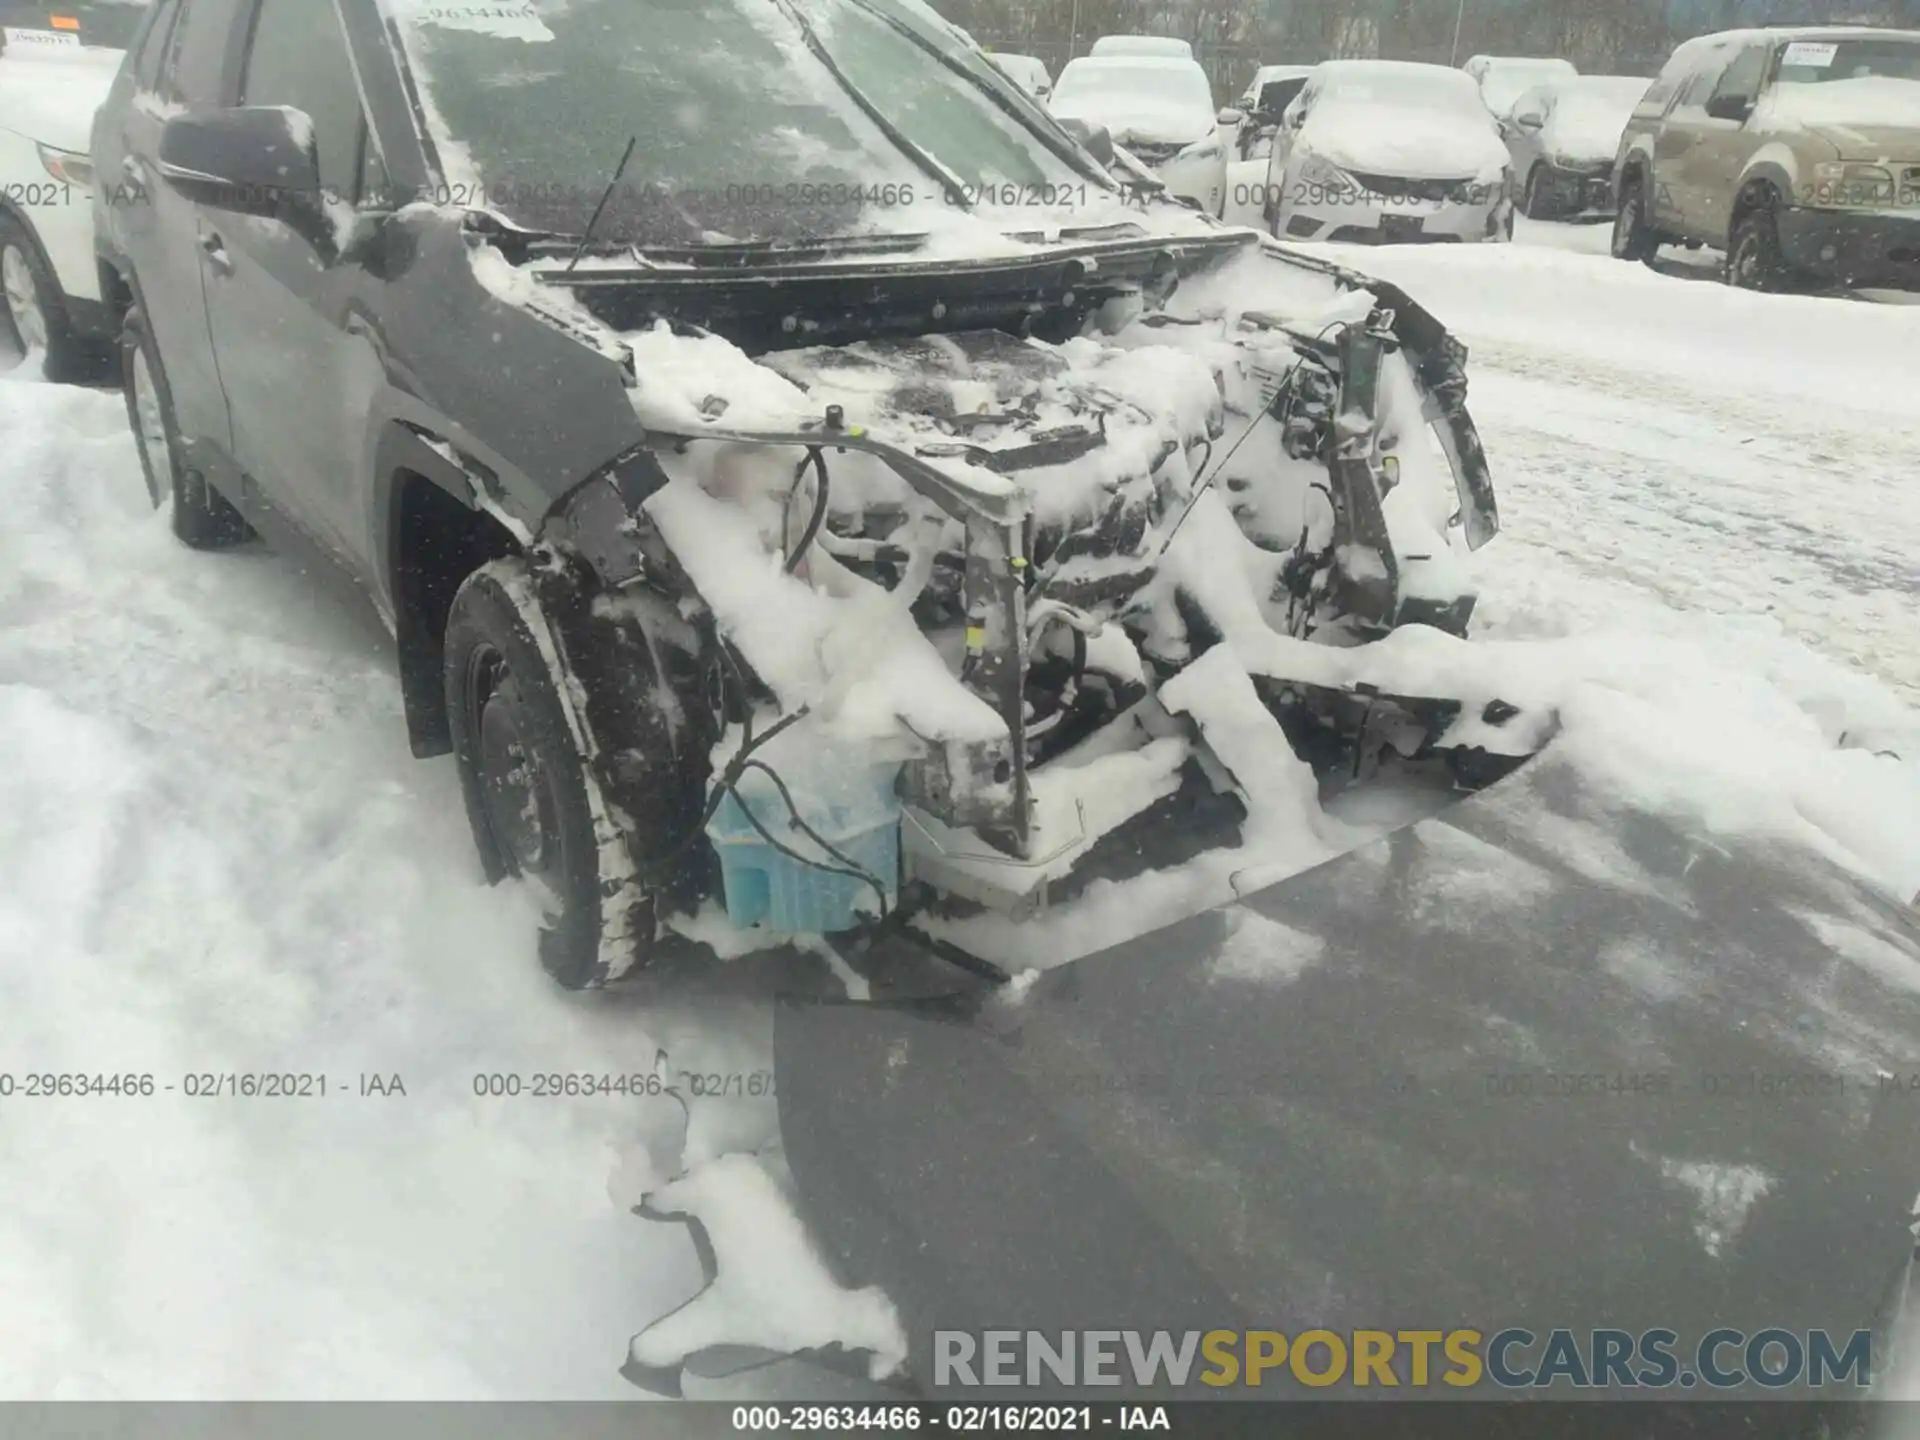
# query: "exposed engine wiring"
[[1299, 561], [1266, 408], [817, 458]]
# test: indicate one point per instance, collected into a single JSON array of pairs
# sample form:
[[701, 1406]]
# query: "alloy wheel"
[[23, 299]]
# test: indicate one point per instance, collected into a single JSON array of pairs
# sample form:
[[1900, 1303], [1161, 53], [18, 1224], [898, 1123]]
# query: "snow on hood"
[[1867, 102], [1136, 121], [1588, 126], [52, 101], [1405, 140]]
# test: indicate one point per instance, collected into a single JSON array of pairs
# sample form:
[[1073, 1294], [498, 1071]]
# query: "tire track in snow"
[[1711, 502]]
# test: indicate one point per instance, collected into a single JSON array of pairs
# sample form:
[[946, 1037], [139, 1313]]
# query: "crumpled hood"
[[1405, 142], [1534, 1062]]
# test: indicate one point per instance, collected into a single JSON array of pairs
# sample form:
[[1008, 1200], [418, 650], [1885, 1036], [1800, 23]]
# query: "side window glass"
[[195, 55], [298, 57], [1743, 75], [155, 45], [1700, 86]]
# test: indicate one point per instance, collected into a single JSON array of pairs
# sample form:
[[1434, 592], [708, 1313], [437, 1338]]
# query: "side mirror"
[[1730, 107], [251, 161], [1232, 115], [1096, 140]]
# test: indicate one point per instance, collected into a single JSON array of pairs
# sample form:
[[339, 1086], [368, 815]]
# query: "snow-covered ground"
[[218, 858]]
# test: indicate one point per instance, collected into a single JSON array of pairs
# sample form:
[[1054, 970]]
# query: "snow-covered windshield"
[[1156, 97], [1808, 62], [1590, 113], [1417, 87], [1849, 82], [758, 120], [1507, 80]]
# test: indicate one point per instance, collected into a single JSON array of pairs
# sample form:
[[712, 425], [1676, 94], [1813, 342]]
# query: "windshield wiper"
[[1069, 153], [956, 192], [586, 235]]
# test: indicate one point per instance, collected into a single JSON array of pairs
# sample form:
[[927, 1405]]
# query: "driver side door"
[[1718, 157], [287, 299]]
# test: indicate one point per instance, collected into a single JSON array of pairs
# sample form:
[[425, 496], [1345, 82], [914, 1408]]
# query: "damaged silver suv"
[[808, 487]]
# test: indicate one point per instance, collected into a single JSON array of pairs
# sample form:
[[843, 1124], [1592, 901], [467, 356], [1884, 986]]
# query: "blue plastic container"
[[765, 889]]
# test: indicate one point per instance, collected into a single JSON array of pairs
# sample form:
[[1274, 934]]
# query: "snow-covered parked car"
[[1384, 151], [1563, 137], [1028, 71], [1161, 45], [1160, 108], [56, 62], [806, 538], [1503, 79]]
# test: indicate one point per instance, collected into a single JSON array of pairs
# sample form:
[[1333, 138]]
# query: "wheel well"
[[1753, 195], [1635, 173], [116, 293], [437, 542]]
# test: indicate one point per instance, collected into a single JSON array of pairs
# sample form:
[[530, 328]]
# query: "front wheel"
[[536, 810], [1754, 258], [36, 310], [1633, 233]]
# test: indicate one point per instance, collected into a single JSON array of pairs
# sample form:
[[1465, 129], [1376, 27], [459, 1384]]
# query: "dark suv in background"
[[1797, 150]]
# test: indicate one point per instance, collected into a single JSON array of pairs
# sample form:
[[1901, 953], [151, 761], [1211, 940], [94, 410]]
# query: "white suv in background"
[[57, 62]]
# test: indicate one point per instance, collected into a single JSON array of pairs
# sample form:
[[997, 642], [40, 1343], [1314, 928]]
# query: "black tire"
[[1754, 258], [202, 517], [68, 358], [1634, 237], [531, 799], [1536, 200]]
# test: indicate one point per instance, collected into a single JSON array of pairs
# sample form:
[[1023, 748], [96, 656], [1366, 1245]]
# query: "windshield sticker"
[[38, 39], [503, 22], [1809, 53]]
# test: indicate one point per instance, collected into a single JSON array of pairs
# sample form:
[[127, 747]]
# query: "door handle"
[[215, 250]]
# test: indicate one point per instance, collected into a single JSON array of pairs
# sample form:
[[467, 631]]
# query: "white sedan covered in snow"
[[1387, 150], [1029, 72], [56, 64], [1160, 108]]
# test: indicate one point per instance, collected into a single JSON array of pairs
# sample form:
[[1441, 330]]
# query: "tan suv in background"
[[1797, 150]]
